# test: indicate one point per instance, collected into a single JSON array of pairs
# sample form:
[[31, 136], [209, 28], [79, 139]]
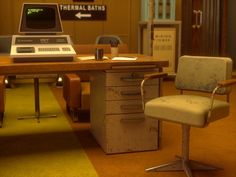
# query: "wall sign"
[[83, 12]]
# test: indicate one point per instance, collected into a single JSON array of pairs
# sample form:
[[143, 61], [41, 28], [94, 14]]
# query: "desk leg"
[[36, 104], [36, 98]]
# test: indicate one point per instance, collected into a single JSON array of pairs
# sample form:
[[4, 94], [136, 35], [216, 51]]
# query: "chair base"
[[37, 114], [1, 119], [78, 115], [182, 165], [73, 112], [37, 117]]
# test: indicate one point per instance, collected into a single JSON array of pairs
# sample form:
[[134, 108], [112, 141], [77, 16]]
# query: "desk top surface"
[[8, 67]]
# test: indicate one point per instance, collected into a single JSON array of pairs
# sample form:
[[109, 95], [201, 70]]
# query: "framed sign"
[[83, 11]]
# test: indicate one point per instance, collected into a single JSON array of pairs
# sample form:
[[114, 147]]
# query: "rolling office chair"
[[204, 74], [5, 44], [108, 39], [5, 47]]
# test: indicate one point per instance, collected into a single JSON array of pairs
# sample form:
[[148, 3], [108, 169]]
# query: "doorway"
[[231, 31]]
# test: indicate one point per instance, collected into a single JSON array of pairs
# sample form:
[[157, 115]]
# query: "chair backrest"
[[5, 44], [201, 73], [107, 39], [90, 48]]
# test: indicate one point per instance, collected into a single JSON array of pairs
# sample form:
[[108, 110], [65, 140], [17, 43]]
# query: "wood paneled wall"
[[122, 20]]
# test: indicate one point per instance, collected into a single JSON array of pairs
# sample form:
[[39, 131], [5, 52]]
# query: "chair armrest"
[[226, 83], [220, 84], [147, 77], [2, 86], [155, 75], [72, 90], [2, 79]]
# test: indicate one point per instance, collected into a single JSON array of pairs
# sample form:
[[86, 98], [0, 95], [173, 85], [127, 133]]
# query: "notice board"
[[164, 46]]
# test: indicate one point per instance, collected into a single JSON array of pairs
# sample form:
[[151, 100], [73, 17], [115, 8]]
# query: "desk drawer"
[[130, 92], [128, 78], [126, 106], [130, 132]]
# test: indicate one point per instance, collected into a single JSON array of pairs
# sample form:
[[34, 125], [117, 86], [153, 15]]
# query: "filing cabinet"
[[117, 119]]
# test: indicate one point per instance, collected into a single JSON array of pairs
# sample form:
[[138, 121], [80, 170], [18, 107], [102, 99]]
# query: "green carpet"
[[45, 149]]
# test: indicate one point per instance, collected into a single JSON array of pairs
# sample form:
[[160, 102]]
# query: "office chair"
[[5, 44], [204, 74], [2, 99], [5, 49], [108, 39]]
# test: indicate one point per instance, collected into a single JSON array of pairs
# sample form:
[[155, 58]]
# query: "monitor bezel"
[[22, 22]]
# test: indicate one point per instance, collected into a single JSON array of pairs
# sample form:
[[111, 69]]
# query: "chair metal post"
[[37, 114], [36, 98], [185, 142]]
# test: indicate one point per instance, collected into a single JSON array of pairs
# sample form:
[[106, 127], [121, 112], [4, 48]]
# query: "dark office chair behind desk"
[[5, 47], [108, 39], [5, 44], [2, 99]]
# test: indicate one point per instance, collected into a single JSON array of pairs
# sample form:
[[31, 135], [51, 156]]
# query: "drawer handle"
[[135, 119], [130, 93], [130, 107], [131, 79], [135, 67]]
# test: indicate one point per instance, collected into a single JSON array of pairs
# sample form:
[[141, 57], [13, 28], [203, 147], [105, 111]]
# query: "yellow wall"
[[122, 20]]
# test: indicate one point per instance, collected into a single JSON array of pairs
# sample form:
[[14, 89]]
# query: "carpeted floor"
[[45, 149], [213, 145]]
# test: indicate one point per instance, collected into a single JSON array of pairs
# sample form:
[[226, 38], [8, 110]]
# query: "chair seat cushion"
[[186, 109]]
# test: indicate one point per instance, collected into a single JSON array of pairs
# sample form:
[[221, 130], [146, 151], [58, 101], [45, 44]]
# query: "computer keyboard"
[[48, 49]]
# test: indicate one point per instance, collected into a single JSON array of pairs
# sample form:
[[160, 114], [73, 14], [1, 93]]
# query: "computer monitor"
[[40, 18]]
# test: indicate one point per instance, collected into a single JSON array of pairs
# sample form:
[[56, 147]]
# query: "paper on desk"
[[89, 57], [124, 58]]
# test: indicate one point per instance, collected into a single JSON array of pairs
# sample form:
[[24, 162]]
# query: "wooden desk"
[[117, 120], [7, 67]]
